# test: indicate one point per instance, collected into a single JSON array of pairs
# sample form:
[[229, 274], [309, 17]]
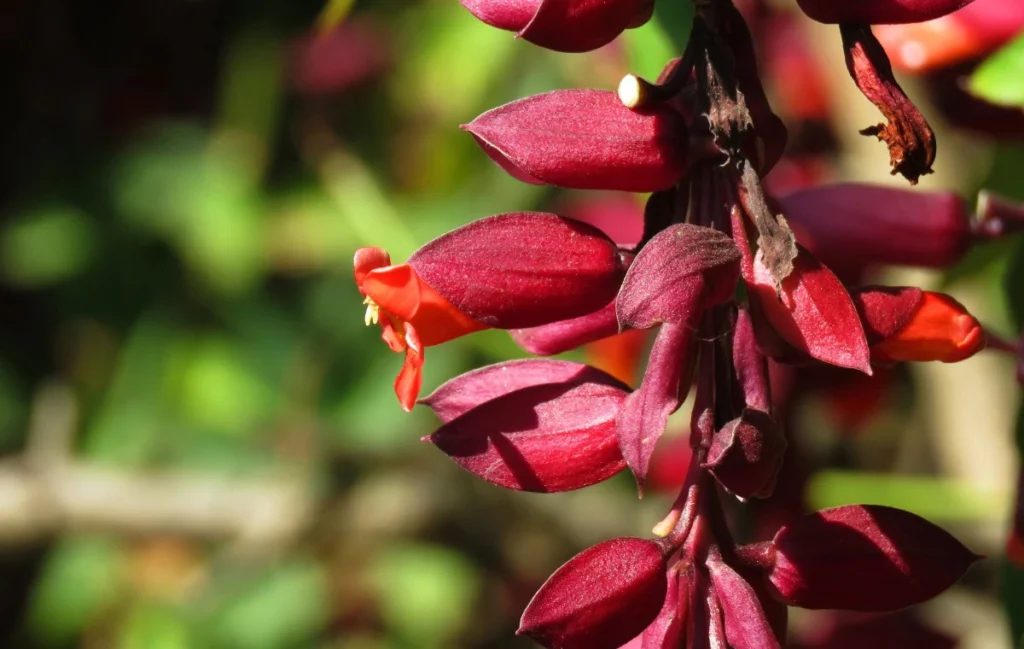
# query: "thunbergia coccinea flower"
[[723, 284]]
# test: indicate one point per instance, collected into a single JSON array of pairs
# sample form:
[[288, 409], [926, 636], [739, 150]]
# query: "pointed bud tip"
[[630, 91]]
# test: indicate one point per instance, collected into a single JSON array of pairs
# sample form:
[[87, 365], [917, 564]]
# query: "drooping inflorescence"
[[729, 280]]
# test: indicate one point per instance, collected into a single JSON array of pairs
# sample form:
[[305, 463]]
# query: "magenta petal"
[[558, 337], [851, 225], [879, 12], [750, 364], [885, 310], [746, 455], [642, 418], [522, 269], [746, 626], [601, 598], [580, 25], [510, 15], [585, 139], [666, 631], [812, 312], [544, 438], [473, 389], [683, 269], [865, 558]]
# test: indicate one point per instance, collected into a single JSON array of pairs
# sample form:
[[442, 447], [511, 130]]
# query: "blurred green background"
[[201, 443]]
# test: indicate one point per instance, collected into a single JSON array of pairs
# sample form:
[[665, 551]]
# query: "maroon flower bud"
[[893, 631], [601, 598], [642, 418], [522, 269], [541, 432], [910, 139], [585, 139], [680, 272], [746, 454], [563, 25], [467, 391], [878, 12], [853, 224], [865, 558], [812, 312], [746, 626], [558, 337]]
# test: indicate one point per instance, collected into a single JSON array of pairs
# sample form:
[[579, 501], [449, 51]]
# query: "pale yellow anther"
[[667, 524], [630, 91], [372, 315]]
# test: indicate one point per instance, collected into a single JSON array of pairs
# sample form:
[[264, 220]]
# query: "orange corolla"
[[410, 313], [940, 329]]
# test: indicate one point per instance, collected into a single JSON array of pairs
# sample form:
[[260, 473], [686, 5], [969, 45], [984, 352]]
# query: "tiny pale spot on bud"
[[630, 91]]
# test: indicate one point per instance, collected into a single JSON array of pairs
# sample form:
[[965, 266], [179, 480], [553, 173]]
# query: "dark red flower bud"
[[746, 454], [522, 269], [642, 418], [851, 225], [907, 324], [539, 432], [558, 337], [467, 391], [681, 271], [585, 139], [812, 312], [563, 25], [746, 626], [878, 12], [865, 558], [908, 135], [601, 598]]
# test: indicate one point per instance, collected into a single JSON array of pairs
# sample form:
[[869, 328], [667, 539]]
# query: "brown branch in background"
[[46, 492]]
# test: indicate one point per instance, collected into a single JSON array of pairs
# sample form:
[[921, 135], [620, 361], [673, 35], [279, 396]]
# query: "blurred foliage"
[[997, 79]]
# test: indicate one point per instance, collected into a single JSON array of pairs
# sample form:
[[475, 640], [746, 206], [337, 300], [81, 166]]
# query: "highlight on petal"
[[522, 269], [865, 558], [676, 275], [812, 312], [510, 15], [879, 12], [467, 391], [850, 225], [585, 139], [547, 437], [908, 324], [601, 598]]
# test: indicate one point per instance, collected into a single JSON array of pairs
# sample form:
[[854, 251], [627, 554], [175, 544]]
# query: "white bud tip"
[[629, 91]]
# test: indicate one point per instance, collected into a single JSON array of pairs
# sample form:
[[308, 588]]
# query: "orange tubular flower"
[[410, 313], [908, 324]]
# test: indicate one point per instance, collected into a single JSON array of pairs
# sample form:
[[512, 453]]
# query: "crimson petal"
[[601, 598], [585, 139], [544, 438], [879, 12], [865, 558], [522, 269], [683, 269]]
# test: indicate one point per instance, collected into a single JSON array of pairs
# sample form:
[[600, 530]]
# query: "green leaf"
[[649, 48], [149, 626], [676, 19], [425, 593], [81, 579], [998, 79], [46, 246]]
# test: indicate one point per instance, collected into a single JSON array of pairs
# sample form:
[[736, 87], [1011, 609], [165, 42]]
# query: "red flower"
[[410, 313], [879, 12]]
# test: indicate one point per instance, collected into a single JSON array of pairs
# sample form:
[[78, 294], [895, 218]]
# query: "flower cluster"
[[726, 284]]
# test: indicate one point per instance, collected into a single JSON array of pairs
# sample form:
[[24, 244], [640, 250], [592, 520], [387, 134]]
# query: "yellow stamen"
[[372, 316]]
